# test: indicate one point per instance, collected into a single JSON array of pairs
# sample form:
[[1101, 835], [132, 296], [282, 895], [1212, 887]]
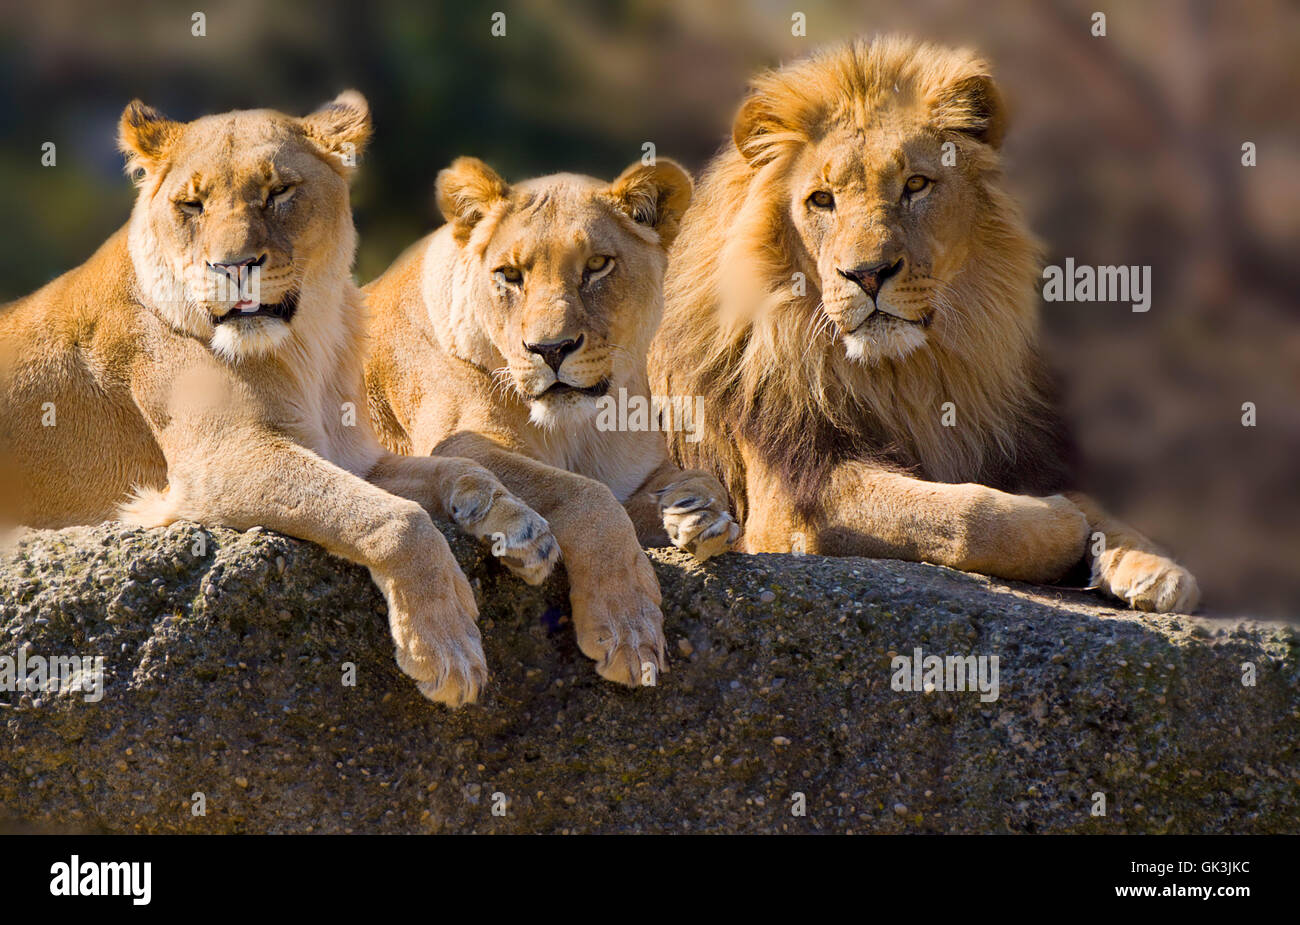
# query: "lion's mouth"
[[281, 311], [880, 317], [558, 388]]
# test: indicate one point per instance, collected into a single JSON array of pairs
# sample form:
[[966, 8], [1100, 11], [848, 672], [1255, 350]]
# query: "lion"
[[205, 364], [853, 293], [505, 335]]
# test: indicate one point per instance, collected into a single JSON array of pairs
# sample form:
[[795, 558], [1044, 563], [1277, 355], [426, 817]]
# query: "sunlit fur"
[[549, 227], [449, 371], [165, 415], [101, 338], [905, 413], [774, 365], [308, 239]]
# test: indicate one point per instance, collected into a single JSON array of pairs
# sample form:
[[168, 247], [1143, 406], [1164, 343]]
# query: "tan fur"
[[825, 410], [451, 371], [167, 405]]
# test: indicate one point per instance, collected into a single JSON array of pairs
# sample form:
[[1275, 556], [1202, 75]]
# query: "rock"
[[224, 706]]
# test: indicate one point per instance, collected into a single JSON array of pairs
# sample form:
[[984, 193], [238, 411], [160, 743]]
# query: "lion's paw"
[[519, 536], [619, 623], [695, 516], [437, 639], [1146, 581]]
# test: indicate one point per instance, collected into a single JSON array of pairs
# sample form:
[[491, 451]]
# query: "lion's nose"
[[554, 352], [237, 264], [870, 278], [236, 276]]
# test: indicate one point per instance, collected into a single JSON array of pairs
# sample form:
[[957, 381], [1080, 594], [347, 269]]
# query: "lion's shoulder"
[[90, 308]]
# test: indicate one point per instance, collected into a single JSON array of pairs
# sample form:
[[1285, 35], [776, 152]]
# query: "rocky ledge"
[[225, 705]]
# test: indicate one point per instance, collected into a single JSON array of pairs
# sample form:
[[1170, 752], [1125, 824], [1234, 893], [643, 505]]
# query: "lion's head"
[[851, 265], [563, 275], [242, 227], [878, 157]]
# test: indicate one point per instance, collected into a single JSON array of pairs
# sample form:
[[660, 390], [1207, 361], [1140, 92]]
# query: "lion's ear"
[[754, 122], [341, 128], [653, 195], [145, 136], [973, 106], [467, 190]]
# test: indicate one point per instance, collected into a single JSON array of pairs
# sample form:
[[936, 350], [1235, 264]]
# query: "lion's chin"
[[883, 339], [249, 338], [562, 412]]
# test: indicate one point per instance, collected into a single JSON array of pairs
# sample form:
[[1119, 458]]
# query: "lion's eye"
[[916, 183], [190, 206], [597, 266], [511, 275], [821, 200], [279, 194]]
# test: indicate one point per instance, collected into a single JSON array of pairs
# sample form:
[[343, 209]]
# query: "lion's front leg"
[[1128, 566], [867, 511], [270, 483], [689, 508], [475, 499]]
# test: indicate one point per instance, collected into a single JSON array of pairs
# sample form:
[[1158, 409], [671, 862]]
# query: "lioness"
[[495, 336], [205, 364], [853, 292]]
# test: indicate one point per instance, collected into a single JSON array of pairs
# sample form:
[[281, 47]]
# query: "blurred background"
[[1124, 149]]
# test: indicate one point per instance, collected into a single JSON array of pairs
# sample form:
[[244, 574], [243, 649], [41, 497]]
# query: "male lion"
[[854, 293], [495, 338], [206, 364]]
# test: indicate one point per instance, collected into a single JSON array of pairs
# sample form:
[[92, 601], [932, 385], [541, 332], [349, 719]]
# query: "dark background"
[[1124, 149]]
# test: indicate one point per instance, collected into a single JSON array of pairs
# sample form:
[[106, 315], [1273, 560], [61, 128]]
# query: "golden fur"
[[853, 292], [499, 336], [206, 364]]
